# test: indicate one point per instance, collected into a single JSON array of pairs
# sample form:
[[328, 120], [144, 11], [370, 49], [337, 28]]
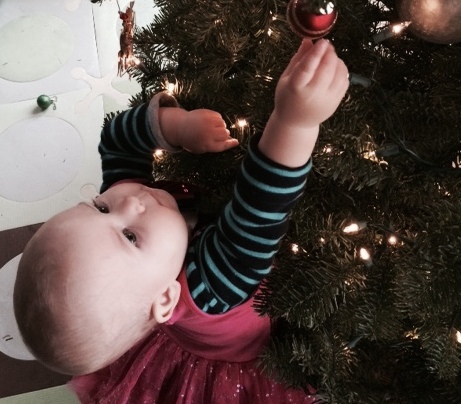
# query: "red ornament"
[[308, 20]]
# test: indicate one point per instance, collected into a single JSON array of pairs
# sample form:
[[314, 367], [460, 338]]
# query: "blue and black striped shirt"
[[227, 260]]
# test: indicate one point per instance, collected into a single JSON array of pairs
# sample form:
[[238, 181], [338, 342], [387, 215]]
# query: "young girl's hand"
[[204, 130], [312, 85], [308, 92], [197, 131]]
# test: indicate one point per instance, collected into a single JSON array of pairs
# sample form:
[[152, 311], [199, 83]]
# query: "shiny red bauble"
[[308, 20]]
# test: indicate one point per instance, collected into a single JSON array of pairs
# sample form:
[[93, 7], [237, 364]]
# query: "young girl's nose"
[[133, 204]]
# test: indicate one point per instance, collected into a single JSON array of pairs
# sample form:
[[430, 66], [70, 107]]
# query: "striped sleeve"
[[129, 139], [228, 260]]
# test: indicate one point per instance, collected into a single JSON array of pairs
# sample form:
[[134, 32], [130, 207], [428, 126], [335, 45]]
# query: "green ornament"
[[44, 101]]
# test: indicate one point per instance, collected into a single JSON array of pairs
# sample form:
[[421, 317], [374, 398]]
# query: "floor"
[[66, 50]]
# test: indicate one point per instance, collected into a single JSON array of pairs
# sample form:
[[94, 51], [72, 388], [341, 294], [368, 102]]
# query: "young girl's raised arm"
[[308, 92], [229, 260]]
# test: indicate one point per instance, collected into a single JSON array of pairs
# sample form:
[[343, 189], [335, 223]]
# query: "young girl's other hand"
[[312, 86], [204, 130]]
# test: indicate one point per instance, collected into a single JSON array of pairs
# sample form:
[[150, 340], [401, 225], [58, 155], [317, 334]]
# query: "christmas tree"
[[366, 290]]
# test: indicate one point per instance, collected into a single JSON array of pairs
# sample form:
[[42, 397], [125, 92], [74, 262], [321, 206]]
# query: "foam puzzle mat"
[[67, 50]]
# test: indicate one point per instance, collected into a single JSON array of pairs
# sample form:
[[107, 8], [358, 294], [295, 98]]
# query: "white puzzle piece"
[[48, 42], [41, 43], [34, 151], [114, 100], [47, 157]]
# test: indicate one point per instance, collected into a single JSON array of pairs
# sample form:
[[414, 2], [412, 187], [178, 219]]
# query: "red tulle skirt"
[[159, 371]]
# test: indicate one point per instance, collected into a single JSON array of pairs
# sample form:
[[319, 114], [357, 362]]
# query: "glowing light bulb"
[[139, 64], [392, 240], [412, 334], [369, 152], [170, 87], [370, 155], [295, 248], [364, 254], [352, 228], [241, 123], [458, 336], [390, 31], [158, 153], [398, 28]]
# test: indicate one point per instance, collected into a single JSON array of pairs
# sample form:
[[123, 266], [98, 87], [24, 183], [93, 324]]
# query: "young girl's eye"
[[100, 207], [131, 237]]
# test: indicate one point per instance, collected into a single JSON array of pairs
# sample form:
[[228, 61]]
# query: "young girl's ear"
[[163, 306]]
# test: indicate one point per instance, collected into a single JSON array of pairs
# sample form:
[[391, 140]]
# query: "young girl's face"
[[125, 247], [140, 226]]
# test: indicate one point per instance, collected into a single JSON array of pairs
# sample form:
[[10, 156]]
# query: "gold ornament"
[[437, 21]]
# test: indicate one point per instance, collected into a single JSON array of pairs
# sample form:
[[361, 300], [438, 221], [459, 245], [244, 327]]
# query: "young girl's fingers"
[[231, 142], [226, 145], [307, 66], [306, 44], [340, 83], [222, 137], [325, 73]]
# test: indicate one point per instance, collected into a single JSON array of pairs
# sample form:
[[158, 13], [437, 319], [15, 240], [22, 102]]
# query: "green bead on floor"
[[44, 101]]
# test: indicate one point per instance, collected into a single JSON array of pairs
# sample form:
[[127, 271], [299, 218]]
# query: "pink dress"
[[196, 358]]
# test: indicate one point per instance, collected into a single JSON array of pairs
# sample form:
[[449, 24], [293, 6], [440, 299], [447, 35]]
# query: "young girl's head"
[[98, 277]]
